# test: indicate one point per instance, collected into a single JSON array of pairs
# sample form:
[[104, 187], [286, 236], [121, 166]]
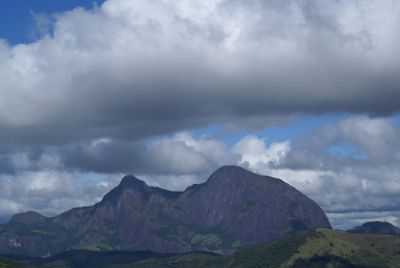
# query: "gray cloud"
[[130, 70], [51, 192], [63, 177], [96, 93], [369, 141], [341, 184], [363, 180], [161, 156]]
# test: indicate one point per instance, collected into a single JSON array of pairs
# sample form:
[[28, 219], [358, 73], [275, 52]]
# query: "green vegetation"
[[186, 261], [210, 241], [319, 249], [8, 264], [272, 255], [337, 247]]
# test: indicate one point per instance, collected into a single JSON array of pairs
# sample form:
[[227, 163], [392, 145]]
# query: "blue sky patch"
[[17, 16]]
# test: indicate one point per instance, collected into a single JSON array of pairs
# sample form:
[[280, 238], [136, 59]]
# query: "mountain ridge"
[[233, 208], [131, 180]]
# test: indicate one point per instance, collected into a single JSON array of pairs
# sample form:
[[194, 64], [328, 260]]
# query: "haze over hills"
[[234, 208]]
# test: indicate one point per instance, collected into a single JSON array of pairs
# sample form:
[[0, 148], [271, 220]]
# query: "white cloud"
[[340, 185], [9, 207], [183, 154], [52, 192], [378, 137], [104, 79], [141, 65], [254, 152]]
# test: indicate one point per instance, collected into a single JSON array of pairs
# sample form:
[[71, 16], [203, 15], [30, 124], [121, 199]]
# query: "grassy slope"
[[188, 261], [320, 249], [261, 256], [353, 250]]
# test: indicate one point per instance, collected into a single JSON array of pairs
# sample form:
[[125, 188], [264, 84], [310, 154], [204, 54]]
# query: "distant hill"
[[313, 249], [234, 208], [376, 227]]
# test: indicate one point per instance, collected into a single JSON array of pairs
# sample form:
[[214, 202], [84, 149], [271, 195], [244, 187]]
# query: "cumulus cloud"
[[103, 91], [57, 179], [162, 156], [349, 188], [131, 69], [347, 183], [255, 154], [51, 192]]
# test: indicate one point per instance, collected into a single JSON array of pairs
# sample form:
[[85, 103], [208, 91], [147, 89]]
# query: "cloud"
[[254, 152], [59, 178], [162, 156], [104, 91], [378, 137], [161, 66], [62, 178], [344, 186], [51, 191], [347, 183]]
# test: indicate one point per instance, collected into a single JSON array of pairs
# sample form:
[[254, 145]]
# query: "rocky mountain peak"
[[235, 207], [230, 170], [130, 181], [239, 177], [230, 174]]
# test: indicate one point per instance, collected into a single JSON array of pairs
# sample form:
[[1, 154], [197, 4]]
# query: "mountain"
[[321, 248], [234, 208], [376, 227]]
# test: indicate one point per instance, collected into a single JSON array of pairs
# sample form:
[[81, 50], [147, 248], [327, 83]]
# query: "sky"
[[307, 91]]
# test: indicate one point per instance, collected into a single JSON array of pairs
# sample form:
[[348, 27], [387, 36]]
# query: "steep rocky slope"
[[234, 208]]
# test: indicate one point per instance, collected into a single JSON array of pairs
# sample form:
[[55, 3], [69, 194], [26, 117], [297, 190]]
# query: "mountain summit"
[[233, 208]]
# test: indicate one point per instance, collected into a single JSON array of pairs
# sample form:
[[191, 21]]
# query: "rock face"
[[376, 227], [233, 208]]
